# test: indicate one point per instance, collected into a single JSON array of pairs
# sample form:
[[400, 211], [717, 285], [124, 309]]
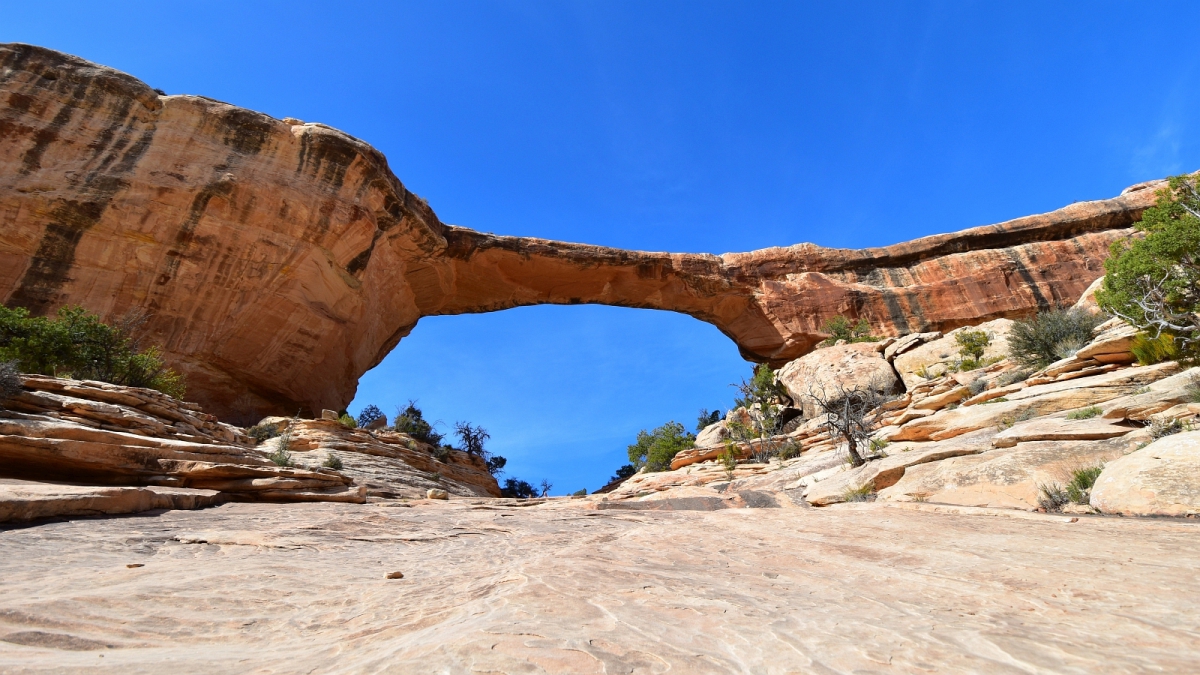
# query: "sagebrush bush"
[[1084, 413], [1052, 497], [1161, 428], [864, 493], [1013, 376], [1079, 488], [261, 432], [76, 343], [332, 461], [347, 421], [1041, 340]]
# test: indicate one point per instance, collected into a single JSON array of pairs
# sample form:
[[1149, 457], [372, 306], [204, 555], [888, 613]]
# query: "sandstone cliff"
[[281, 260]]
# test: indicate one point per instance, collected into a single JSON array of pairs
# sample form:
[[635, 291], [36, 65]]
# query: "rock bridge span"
[[280, 260]]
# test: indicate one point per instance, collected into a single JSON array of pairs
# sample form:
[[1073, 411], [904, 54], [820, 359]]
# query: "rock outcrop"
[[1157, 480], [280, 260], [979, 438], [171, 454]]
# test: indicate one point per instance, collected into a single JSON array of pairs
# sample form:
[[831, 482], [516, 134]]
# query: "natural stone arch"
[[281, 260]]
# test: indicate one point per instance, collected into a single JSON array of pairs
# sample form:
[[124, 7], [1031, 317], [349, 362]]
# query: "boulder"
[[1087, 301], [1161, 479], [436, 493], [713, 435], [858, 365], [938, 357]]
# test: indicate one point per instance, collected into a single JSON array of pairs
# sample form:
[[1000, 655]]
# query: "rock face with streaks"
[[280, 260]]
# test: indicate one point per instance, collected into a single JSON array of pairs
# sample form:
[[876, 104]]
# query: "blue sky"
[[681, 126]]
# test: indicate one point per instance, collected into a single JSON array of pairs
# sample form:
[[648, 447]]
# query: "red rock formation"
[[281, 260]]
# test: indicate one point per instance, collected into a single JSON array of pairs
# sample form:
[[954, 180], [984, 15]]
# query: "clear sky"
[[679, 126]]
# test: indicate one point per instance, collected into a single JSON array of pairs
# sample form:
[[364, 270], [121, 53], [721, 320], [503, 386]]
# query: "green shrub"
[[76, 343], [728, 459], [1079, 488], [369, 414], [1000, 399], [411, 421], [1052, 497], [840, 328], [1041, 340], [623, 472], [441, 453], [261, 432], [763, 388], [10, 380], [1148, 350], [517, 489], [495, 464], [579, 493], [348, 421], [655, 450], [707, 418], [1084, 413], [332, 461], [1153, 282], [972, 343], [282, 455], [865, 493]]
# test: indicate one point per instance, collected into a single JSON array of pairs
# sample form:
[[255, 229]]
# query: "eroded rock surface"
[[280, 260], [560, 589], [97, 434]]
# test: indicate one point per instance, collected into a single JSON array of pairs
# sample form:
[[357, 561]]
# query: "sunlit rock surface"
[[558, 588]]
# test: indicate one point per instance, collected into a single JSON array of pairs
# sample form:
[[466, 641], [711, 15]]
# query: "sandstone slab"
[[1006, 477], [560, 589], [22, 501], [1161, 479]]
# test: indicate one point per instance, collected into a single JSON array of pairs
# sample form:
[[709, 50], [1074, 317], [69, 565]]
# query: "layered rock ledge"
[[280, 260]]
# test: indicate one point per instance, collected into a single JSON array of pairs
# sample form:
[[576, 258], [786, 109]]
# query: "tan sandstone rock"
[[25, 500], [858, 365], [1161, 479], [936, 357], [280, 260]]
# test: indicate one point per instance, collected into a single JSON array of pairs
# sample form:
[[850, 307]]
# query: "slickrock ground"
[[279, 260], [557, 588]]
